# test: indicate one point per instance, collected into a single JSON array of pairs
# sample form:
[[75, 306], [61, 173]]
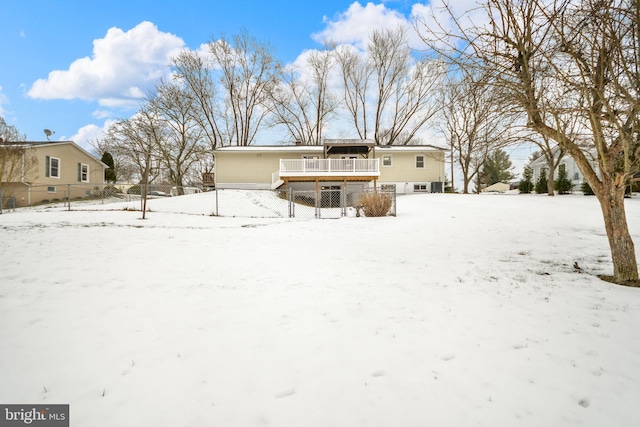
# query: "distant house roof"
[[499, 187]]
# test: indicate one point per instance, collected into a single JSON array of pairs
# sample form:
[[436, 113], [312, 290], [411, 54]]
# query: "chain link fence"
[[325, 203]]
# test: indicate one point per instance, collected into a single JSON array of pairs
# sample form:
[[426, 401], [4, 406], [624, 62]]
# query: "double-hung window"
[[387, 160], [52, 167], [420, 161], [83, 172]]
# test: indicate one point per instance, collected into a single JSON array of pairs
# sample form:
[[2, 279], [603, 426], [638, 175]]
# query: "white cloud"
[[123, 65], [356, 24], [89, 133], [435, 16], [102, 114], [3, 100]]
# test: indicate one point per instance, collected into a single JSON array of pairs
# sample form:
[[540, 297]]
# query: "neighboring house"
[[570, 166], [498, 187], [346, 163], [56, 168]]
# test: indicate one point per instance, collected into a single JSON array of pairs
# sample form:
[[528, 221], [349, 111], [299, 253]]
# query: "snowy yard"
[[460, 311]]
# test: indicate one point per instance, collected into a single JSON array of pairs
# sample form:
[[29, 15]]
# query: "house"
[[49, 171], [567, 163], [498, 187], [338, 163]]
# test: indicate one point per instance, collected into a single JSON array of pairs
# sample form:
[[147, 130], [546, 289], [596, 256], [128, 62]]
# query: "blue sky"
[[71, 66]]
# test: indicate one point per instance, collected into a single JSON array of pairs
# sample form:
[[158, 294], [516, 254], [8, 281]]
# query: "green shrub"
[[586, 189], [134, 189], [110, 190], [526, 185], [541, 183], [375, 203], [562, 185]]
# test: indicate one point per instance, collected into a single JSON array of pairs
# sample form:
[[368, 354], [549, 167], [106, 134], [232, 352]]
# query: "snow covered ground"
[[460, 311]]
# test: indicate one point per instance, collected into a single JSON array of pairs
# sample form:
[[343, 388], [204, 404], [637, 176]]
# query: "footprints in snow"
[[285, 393], [291, 391]]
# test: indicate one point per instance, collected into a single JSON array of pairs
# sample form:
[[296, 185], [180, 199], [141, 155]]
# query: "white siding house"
[[573, 172]]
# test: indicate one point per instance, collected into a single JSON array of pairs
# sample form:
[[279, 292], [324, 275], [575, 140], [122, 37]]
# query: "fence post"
[[143, 199], [1, 201], [217, 212], [68, 197]]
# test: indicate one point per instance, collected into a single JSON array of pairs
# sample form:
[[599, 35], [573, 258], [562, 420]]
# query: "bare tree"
[[389, 55], [472, 122], [197, 75], [134, 142], [180, 147], [302, 101], [413, 104], [585, 53], [356, 74], [248, 71], [123, 169], [9, 133], [386, 90], [18, 161]]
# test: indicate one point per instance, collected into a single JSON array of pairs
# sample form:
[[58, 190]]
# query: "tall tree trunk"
[[625, 266], [465, 186], [551, 177], [550, 181]]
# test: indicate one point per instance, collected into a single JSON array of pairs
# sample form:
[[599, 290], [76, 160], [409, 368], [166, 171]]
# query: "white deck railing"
[[329, 167]]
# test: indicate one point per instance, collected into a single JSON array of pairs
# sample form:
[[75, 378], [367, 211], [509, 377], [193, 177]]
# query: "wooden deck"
[[324, 170], [328, 169]]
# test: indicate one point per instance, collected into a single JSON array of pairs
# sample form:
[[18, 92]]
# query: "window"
[[51, 189], [419, 188], [562, 168], [387, 160], [419, 162], [83, 172], [576, 176], [52, 167]]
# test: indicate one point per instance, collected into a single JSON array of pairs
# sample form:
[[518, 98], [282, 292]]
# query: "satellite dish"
[[48, 133]]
